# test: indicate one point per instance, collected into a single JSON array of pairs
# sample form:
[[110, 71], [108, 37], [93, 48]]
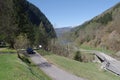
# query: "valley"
[[32, 48]]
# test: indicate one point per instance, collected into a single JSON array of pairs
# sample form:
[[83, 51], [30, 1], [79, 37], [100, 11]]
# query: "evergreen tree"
[[78, 56], [8, 27], [41, 36]]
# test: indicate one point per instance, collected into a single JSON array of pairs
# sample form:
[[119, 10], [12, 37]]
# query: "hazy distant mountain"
[[61, 31], [101, 31]]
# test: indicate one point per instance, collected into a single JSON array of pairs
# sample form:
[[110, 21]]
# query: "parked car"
[[30, 51]]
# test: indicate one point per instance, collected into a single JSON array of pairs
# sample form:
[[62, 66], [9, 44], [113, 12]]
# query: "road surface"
[[54, 72], [108, 62]]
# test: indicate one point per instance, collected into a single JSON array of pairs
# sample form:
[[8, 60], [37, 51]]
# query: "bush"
[[83, 57], [56, 47], [78, 56]]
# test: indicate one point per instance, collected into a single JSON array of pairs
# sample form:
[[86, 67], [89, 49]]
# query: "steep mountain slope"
[[21, 17], [101, 31]]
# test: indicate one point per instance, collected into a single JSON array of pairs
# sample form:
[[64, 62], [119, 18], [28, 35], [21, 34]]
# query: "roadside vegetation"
[[88, 70], [83, 57], [86, 47], [56, 47]]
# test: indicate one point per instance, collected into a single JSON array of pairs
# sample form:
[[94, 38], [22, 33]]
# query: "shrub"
[[78, 56], [83, 57], [56, 47]]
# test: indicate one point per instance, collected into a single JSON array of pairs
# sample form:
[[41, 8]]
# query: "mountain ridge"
[[101, 31], [62, 30]]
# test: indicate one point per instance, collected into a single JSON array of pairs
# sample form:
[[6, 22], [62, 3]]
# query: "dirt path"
[[54, 72]]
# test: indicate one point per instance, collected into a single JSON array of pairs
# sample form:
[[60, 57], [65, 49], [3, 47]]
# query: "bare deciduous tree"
[[21, 42]]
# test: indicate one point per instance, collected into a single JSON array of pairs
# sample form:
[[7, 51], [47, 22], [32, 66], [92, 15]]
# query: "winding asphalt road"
[[51, 70], [108, 63]]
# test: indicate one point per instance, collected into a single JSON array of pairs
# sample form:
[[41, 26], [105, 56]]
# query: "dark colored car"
[[30, 51]]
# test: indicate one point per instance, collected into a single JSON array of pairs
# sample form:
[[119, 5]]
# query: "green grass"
[[86, 47], [90, 71], [43, 52], [12, 68], [7, 50]]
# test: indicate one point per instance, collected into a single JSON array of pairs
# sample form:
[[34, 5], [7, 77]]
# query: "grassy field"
[[90, 71], [12, 68]]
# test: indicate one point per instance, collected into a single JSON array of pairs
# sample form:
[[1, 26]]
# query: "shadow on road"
[[44, 64]]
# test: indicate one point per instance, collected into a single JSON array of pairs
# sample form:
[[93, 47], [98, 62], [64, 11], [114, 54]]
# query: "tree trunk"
[[12, 44]]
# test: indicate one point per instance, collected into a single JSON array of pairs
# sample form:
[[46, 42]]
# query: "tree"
[[8, 27], [21, 17], [21, 42], [41, 36]]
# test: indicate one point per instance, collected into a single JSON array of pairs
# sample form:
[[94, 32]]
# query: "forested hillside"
[[21, 17], [101, 31]]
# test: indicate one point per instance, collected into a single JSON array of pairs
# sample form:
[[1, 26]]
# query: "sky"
[[64, 13]]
